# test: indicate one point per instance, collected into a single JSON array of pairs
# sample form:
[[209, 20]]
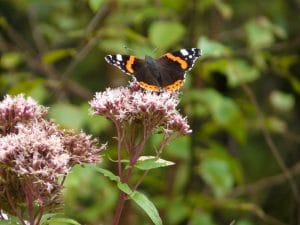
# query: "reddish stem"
[[29, 199], [119, 209]]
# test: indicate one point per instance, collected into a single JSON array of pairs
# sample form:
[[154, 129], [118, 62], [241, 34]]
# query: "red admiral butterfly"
[[167, 72]]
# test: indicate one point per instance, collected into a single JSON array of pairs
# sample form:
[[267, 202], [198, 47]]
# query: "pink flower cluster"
[[131, 104], [35, 154], [18, 109]]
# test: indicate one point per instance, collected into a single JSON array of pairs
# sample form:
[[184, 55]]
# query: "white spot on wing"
[[184, 52], [119, 57]]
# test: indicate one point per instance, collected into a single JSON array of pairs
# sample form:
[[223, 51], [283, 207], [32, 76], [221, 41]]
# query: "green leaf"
[[177, 5], [56, 55], [142, 201], [216, 172], [165, 34], [68, 115], [202, 218], [57, 219], [96, 4], [275, 124], [282, 101], [151, 162], [220, 170], [107, 173], [139, 198], [177, 210], [239, 71], [212, 48], [31, 87], [10, 221], [60, 221], [225, 9], [11, 60], [225, 112], [259, 33]]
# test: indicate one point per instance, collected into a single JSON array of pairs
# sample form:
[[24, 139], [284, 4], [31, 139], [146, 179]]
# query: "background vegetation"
[[241, 162]]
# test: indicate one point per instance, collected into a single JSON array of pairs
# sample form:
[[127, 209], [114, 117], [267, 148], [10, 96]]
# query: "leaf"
[[142, 201], [139, 198], [11, 60], [68, 115], [177, 5], [276, 124], [225, 9], [282, 101], [56, 55], [165, 34], [96, 4], [60, 221], [220, 170], [202, 218], [57, 219], [259, 33], [216, 172], [177, 210], [225, 112], [107, 173], [11, 220], [151, 162], [26, 86], [239, 71], [212, 48]]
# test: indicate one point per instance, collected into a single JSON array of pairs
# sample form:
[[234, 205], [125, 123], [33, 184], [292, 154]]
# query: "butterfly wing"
[[123, 62], [174, 65], [132, 65]]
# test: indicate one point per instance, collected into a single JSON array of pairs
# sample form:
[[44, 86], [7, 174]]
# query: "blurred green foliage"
[[241, 96]]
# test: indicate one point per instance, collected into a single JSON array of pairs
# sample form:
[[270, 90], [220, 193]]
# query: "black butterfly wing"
[[123, 62], [132, 65], [174, 65]]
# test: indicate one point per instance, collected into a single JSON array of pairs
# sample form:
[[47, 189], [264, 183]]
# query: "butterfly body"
[[165, 73]]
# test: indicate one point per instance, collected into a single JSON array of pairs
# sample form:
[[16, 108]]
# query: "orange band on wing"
[[175, 86], [129, 63], [149, 87], [183, 64]]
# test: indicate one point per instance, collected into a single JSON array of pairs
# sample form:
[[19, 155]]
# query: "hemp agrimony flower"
[[137, 114], [35, 156]]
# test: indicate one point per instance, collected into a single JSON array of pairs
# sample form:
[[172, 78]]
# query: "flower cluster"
[[35, 155], [131, 104], [18, 109]]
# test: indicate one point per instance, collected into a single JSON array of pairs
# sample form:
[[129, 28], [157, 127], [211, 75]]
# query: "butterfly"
[[165, 73]]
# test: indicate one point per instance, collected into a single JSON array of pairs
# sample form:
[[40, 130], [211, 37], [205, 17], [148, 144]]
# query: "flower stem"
[[119, 209]]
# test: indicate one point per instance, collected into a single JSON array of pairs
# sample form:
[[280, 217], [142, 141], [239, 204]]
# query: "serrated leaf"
[[152, 162], [165, 34], [150, 209]]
